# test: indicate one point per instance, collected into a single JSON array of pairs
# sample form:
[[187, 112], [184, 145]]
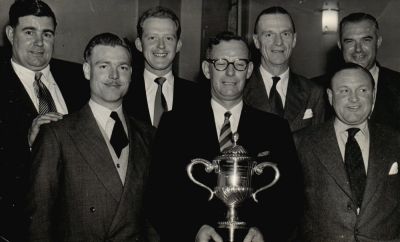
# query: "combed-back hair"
[[274, 10], [158, 12], [351, 66], [355, 18], [223, 36], [22, 8], [107, 39]]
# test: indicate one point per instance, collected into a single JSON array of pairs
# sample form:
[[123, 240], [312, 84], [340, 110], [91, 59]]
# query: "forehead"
[[357, 28], [351, 77], [157, 24], [110, 53], [43, 22], [274, 21], [231, 48]]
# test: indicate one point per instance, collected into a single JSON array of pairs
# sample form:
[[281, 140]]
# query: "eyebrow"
[[33, 28]]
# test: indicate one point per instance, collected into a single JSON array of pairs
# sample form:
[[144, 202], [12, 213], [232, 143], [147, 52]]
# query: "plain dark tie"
[[46, 102], [225, 137], [354, 164], [274, 97], [160, 104], [118, 138]]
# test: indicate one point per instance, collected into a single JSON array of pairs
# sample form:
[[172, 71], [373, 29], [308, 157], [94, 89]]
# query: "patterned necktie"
[[274, 97], [355, 166], [118, 138], [160, 104], [46, 102], [225, 137]]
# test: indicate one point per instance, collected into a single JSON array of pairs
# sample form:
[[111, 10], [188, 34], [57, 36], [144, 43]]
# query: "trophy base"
[[234, 231]]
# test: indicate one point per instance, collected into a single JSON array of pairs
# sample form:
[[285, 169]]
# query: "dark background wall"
[[315, 52]]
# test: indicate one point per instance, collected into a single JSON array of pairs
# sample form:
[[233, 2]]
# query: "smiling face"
[[227, 86], [32, 41], [360, 42], [351, 96], [109, 71], [275, 38], [159, 44]]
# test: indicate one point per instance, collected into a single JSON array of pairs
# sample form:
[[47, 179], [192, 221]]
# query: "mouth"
[[278, 51], [354, 108], [37, 52], [160, 54], [113, 84], [358, 57]]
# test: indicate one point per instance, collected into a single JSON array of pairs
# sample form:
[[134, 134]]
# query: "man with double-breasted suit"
[[196, 133], [89, 170], [31, 33], [159, 41], [350, 167], [273, 86]]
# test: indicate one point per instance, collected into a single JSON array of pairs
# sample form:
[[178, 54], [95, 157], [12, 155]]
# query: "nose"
[[161, 43], [278, 39], [354, 97], [230, 70], [114, 75], [357, 47], [38, 40]]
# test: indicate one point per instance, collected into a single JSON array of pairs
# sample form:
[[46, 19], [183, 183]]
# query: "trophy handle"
[[208, 168], [258, 169]]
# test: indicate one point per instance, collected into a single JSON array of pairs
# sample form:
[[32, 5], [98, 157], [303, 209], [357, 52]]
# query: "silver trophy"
[[235, 169]]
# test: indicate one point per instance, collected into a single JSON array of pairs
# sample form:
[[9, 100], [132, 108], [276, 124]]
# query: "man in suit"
[[185, 135], [89, 169], [359, 42], [31, 32], [350, 167], [274, 87], [159, 41]]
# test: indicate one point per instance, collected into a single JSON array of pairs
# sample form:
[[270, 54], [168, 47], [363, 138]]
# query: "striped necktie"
[[46, 102], [225, 137], [160, 104]]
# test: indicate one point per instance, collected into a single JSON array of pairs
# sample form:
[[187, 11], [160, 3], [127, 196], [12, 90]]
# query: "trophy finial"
[[235, 138]]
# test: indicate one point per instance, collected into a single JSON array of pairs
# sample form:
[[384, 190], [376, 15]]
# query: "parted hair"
[[350, 66], [158, 12], [274, 10], [223, 36], [355, 18], [107, 39], [22, 8]]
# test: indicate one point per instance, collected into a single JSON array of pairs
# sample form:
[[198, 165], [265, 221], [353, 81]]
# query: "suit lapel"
[[255, 93], [94, 150], [329, 155], [296, 98]]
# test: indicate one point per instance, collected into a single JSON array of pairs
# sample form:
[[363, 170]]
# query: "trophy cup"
[[234, 168]]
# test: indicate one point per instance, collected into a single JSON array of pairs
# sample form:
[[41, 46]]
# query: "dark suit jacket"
[[185, 93], [76, 192], [16, 114], [387, 104], [178, 207], [301, 96], [330, 211]]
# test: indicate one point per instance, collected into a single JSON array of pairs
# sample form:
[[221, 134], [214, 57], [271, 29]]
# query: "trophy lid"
[[235, 152]]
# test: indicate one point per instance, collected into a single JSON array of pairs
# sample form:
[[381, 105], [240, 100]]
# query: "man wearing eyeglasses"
[[274, 87], [199, 133]]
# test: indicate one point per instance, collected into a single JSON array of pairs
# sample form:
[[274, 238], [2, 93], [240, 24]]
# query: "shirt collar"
[[374, 72], [102, 114], [218, 110], [30, 75], [283, 82], [341, 127], [150, 77]]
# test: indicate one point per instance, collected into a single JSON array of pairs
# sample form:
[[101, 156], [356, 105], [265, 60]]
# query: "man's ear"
[[379, 42], [256, 42], [10, 34], [329, 92], [138, 44], [178, 45], [86, 70], [250, 68], [294, 40], [205, 66], [339, 44]]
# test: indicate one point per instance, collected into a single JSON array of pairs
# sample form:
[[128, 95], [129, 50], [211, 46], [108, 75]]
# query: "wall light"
[[330, 16]]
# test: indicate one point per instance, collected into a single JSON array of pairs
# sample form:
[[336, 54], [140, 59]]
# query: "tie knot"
[[275, 80], [352, 132], [227, 115], [114, 115], [38, 75], [160, 80]]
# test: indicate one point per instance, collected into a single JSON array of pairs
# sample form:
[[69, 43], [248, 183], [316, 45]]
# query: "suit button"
[[92, 209], [349, 207]]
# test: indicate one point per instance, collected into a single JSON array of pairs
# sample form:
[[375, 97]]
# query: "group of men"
[[102, 172]]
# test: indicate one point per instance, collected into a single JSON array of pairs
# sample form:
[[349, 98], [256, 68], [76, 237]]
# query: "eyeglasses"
[[222, 64]]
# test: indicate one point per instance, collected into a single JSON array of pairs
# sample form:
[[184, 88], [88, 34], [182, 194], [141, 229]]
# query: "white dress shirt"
[[362, 138], [219, 116], [27, 77], [106, 125], [375, 74], [151, 90], [281, 86]]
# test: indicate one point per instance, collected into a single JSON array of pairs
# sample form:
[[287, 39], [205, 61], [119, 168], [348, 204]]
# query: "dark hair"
[[22, 8], [224, 36], [355, 18], [158, 12], [352, 66], [107, 39], [274, 10]]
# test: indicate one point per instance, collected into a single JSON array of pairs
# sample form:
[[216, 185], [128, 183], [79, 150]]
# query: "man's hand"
[[207, 233], [38, 121], [254, 235]]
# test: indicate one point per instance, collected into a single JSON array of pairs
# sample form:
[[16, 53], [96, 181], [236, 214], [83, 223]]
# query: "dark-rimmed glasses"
[[222, 64]]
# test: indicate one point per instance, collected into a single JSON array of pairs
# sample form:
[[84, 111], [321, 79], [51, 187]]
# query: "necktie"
[[274, 97], [225, 137], [160, 104], [118, 136], [355, 166], [46, 103]]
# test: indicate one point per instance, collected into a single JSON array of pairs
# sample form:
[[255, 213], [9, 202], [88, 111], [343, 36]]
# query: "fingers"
[[38, 121], [207, 233], [254, 235]]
